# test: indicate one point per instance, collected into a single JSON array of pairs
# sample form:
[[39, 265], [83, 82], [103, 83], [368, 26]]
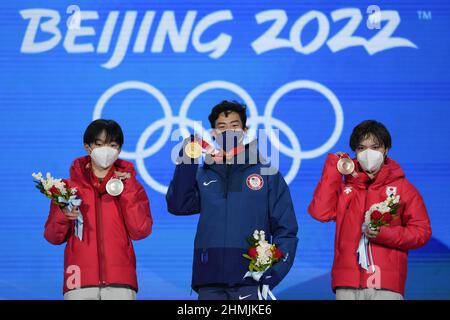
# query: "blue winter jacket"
[[231, 208]]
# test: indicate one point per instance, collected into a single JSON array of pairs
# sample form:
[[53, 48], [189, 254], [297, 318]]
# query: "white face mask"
[[104, 156], [370, 160], [229, 139]]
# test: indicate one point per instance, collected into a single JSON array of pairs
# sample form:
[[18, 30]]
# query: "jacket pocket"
[[204, 257], [343, 205], [131, 254], [340, 224]]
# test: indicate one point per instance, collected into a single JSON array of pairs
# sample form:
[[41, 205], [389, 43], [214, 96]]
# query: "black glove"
[[270, 278]]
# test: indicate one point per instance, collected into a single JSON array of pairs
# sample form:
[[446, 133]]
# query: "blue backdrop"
[[313, 69]]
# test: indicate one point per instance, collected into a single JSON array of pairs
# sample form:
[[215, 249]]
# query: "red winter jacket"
[[105, 256], [346, 203]]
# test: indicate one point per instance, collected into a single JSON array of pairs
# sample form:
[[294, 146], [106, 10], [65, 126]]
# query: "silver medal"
[[114, 187]]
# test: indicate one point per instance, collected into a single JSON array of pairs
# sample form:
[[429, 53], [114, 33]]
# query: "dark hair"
[[228, 107], [367, 128], [112, 129]]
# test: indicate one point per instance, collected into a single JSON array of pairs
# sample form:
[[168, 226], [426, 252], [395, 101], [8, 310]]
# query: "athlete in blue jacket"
[[234, 198]]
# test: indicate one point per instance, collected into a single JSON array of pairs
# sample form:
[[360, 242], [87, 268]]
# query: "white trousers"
[[101, 293], [366, 294]]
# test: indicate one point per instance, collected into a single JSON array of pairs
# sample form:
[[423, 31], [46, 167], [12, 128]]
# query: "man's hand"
[[371, 233], [270, 278], [182, 156], [71, 215], [122, 175], [218, 156]]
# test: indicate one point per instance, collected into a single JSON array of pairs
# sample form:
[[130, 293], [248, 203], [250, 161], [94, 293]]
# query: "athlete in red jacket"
[[345, 202], [102, 265]]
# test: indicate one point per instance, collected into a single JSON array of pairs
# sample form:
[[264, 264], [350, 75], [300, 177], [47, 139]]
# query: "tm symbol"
[[424, 15]]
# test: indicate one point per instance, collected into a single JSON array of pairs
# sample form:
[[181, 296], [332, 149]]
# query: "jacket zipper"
[[227, 178], [100, 249], [365, 206]]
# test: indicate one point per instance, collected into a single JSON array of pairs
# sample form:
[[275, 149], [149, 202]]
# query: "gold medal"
[[193, 150], [114, 187], [345, 166]]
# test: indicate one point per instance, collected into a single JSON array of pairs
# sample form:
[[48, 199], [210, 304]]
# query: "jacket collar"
[[390, 171], [250, 156], [80, 170]]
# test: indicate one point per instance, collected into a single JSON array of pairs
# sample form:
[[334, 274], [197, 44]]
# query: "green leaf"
[[247, 256], [251, 241]]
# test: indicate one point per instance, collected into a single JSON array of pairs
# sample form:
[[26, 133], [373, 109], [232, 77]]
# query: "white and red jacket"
[[105, 256], [346, 201]]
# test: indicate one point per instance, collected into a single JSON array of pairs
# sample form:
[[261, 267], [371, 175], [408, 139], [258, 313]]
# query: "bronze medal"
[[346, 166]]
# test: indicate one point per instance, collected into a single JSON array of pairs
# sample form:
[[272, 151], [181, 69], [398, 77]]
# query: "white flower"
[[396, 199], [74, 191], [264, 253], [61, 186], [37, 176], [47, 184], [262, 235], [263, 256], [259, 235]]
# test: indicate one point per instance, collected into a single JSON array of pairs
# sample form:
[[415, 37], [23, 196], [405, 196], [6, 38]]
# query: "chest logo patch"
[[391, 191], [255, 181]]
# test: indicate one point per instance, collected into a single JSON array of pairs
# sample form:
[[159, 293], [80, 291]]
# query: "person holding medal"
[[234, 195], [379, 216], [99, 260]]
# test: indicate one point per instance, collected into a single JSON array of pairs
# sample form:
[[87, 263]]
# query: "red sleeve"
[[57, 227], [136, 209], [324, 204], [415, 230]]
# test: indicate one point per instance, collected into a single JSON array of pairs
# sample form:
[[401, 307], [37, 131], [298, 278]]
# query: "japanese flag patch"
[[391, 191]]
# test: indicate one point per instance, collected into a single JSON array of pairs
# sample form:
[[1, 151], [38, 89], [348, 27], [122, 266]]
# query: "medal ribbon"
[[214, 153], [101, 187]]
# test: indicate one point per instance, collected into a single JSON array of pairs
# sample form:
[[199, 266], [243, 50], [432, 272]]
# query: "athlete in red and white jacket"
[[346, 201], [102, 265]]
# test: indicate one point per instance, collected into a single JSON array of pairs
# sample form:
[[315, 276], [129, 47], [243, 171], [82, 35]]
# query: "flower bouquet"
[[379, 214], [262, 256], [382, 213], [59, 191]]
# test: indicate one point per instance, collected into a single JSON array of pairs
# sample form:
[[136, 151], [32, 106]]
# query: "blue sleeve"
[[283, 228], [183, 195]]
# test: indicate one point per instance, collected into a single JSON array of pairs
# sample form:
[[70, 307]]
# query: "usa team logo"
[[255, 181]]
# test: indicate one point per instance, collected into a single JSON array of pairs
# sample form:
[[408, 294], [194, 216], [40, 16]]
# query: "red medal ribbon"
[[215, 153], [101, 187]]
